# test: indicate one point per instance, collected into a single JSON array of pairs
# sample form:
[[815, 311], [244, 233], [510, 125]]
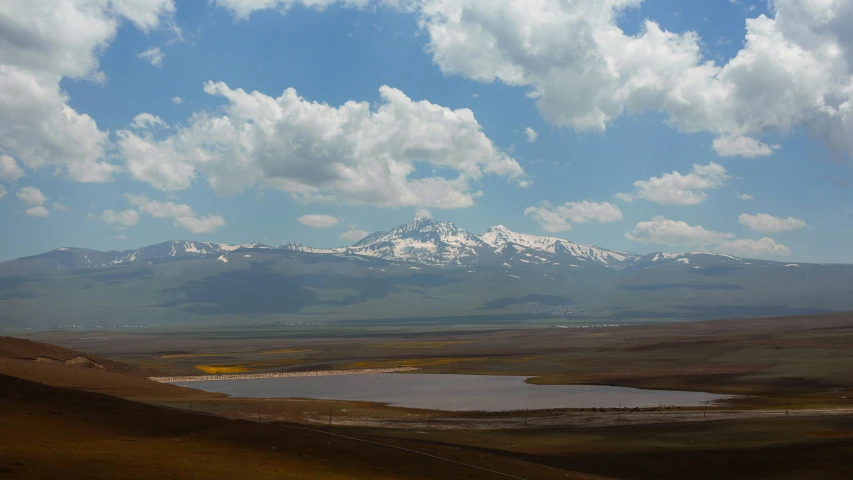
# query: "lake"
[[453, 392]]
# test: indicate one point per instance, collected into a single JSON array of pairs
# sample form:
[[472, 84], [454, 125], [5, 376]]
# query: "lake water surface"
[[453, 392]]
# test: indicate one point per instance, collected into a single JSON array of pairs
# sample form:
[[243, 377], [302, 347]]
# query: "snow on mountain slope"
[[695, 260], [179, 249], [298, 247], [66, 257], [501, 236], [422, 240]]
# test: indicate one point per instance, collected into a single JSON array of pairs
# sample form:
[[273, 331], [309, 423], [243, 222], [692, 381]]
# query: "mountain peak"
[[422, 240], [499, 229], [415, 224], [500, 235]]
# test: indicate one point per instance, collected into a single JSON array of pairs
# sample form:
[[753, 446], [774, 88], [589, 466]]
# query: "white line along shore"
[[244, 376]]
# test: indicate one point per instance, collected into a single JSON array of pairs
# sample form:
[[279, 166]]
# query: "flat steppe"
[[793, 419]]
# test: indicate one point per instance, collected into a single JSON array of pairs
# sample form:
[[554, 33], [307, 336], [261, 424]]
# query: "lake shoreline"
[[462, 393]]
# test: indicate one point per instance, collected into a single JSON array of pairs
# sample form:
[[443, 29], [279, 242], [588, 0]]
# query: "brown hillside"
[[22, 349], [61, 433]]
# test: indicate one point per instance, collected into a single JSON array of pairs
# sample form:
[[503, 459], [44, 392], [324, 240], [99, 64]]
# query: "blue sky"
[[791, 163]]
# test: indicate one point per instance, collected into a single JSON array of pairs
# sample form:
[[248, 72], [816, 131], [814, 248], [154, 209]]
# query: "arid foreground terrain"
[[92, 412]]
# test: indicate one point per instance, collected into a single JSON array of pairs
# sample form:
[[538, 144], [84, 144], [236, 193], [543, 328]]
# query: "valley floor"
[[794, 420]]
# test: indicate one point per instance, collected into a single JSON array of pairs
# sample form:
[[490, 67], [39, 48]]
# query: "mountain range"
[[421, 241], [432, 243], [423, 269]]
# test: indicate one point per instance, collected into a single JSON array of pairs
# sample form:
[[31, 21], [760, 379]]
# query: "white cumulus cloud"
[[753, 248], [423, 213], [31, 196], [38, 211], [318, 221], [157, 163], [680, 189], [354, 234], [745, 196], [183, 215], [625, 197], [177, 100], [9, 169], [531, 134], [199, 224], [120, 220], [766, 223], [664, 231], [318, 152], [242, 9], [584, 71], [147, 121], [153, 55], [742, 146], [42, 42], [561, 217]]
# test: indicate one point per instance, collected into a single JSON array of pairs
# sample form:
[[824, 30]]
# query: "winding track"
[[307, 429], [331, 434]]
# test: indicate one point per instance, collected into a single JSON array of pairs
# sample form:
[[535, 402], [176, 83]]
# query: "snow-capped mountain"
[[179, 249], [426, 241], [500, 237], [435, 269], [421, 241], [298, 247], [695, 259], [172, 250]]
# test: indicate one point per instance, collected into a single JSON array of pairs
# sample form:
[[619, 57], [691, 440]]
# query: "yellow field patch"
[[212, 369], [411, 362], [420, 344], [246, 367]]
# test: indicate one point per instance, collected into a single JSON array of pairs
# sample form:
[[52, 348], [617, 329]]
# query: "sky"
[[657, 125]]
